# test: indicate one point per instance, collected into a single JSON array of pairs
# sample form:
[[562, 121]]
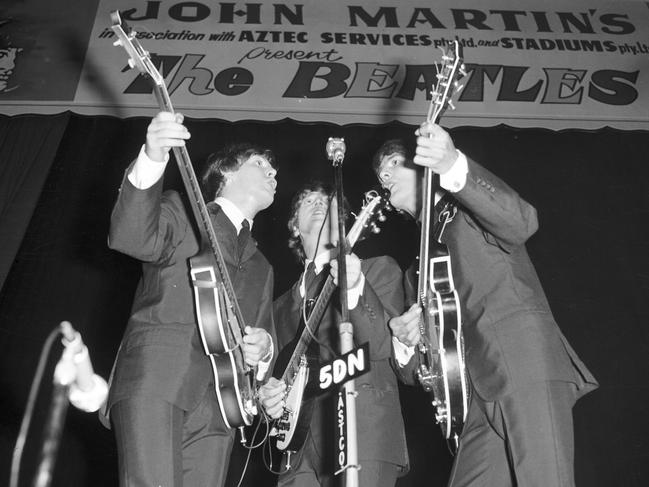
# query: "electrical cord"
[[29, 409]]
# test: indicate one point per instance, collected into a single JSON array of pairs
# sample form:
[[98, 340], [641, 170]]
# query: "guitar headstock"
[[138, 57], [371, 213], [449, 72]]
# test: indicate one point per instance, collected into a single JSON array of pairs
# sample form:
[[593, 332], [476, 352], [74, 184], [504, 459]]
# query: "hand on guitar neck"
[[353, 264], [435, 148], [165, 131]]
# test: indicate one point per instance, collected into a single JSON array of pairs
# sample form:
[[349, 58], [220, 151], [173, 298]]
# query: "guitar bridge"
[[251, 407]]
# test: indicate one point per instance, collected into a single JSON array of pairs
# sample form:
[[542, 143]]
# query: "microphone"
[[336, 149], [87, 390]]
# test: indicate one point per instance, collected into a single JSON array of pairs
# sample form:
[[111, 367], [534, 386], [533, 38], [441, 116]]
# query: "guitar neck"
[[427, 230], [207, 236], [310, 328]]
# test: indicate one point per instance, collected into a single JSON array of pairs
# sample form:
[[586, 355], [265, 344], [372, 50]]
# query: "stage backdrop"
[[545, 64]]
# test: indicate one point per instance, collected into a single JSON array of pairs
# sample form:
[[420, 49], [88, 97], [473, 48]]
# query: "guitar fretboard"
[[310, 328]]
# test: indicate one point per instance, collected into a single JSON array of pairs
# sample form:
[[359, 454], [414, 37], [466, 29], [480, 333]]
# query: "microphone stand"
[[70, 374], [64, 375], [336, 153], [52, 435]]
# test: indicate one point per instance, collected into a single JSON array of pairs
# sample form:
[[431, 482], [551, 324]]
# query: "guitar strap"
[[444, 211]]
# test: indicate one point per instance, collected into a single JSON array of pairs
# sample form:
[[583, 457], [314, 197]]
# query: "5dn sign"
[[341, 369]]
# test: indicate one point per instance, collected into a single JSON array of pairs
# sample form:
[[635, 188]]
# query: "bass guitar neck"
[[220, 321]]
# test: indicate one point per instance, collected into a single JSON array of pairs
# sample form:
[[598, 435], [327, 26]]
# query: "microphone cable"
[[29, 409]]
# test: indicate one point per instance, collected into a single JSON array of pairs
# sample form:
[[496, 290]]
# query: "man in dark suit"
[[162, 402], [374, 295], [524, 376]]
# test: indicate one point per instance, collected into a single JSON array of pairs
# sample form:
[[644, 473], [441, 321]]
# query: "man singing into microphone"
[[162, 401], [374, 295]]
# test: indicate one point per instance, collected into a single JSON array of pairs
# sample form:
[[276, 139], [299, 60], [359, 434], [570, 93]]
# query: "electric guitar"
[[441, 351], [291, 428], [219, 317]]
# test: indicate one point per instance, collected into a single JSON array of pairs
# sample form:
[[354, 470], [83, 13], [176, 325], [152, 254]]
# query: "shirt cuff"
[[402, 353], [264, 363], [454, 179], [91, 400], [355, 293], [146, 172]]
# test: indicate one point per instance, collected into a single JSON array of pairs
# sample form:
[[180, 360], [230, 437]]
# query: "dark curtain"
[[27, 148], [591, 191]]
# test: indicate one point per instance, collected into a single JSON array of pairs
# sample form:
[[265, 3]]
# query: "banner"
[[551, 64]]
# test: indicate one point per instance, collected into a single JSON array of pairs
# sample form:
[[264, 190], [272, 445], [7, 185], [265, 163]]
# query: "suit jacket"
[[510, 335], [161, 353], [379, 422]]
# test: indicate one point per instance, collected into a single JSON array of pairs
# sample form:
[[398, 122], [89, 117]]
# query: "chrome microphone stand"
[[336, 153]]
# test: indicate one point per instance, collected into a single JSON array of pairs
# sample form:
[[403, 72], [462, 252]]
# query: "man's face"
[[255, 179], [7, 64], [311, 215], [400, 176]]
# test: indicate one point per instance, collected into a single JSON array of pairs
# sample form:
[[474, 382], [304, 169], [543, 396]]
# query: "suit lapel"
[[225, 234], [251, 248]]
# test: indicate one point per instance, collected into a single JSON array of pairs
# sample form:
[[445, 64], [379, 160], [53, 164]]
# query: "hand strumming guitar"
[[406, 326], [271, 395], [257, 345]]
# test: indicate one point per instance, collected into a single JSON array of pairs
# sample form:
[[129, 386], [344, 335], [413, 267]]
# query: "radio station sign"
[[550, 64]]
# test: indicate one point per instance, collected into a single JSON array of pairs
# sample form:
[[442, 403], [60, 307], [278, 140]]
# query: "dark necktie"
[[310, 281], [243, 237]]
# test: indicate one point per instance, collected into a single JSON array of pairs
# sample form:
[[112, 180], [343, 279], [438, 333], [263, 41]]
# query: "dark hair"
[[228, 159], [389, 147], [294, 241]]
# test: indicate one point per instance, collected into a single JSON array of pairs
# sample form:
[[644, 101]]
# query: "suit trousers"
[[525, 439], [161, 445]]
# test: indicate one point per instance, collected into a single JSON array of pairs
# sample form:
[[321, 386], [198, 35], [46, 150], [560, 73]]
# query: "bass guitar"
[[219, 317], [441, 351], [291, 428]]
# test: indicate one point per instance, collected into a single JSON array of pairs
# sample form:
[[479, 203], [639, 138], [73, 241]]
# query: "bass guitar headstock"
[[449, 72], [139, 58]]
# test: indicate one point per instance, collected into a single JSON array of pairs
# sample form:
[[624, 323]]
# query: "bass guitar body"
[[234, 383]]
